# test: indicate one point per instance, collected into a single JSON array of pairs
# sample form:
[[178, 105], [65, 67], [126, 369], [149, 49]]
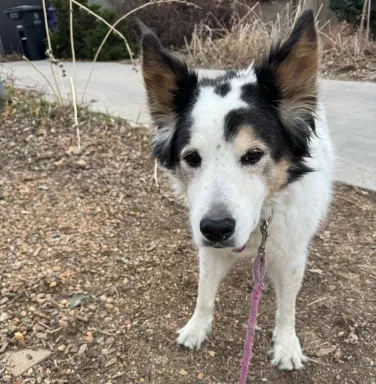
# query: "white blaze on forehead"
[[211, 109]]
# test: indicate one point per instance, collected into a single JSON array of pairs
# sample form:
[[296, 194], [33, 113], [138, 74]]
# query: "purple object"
[[51, 17]]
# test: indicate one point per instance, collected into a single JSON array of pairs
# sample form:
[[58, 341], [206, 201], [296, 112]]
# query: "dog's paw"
[[194, 333], [287, 353]]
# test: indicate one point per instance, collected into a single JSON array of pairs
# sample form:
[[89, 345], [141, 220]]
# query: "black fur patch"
[[264, 124], [297, 170], [168, 154], [265, 120], [222, 89], [282, 142], [216, 81]]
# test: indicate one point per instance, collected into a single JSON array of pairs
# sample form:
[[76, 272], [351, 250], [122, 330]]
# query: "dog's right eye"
[[193, 159]]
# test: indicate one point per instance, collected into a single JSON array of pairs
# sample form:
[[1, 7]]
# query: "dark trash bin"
[[29, 22]]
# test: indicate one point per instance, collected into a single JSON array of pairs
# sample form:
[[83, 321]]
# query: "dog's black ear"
[[169, 82], [288, 74]]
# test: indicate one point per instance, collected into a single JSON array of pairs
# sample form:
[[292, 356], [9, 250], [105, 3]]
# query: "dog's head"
[[233, 142]]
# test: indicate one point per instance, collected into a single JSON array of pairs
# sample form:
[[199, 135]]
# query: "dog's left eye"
[[193, 159], [252, 157]]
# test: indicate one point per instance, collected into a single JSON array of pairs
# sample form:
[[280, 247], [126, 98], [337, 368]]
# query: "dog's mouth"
[[224, 246], [239, 250]]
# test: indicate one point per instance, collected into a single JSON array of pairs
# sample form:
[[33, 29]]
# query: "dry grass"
[[343, 49]]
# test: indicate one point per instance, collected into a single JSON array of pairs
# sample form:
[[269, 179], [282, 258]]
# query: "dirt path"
[[97, 266]]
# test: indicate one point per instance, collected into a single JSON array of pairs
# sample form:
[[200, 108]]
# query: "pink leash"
[[259, 267]]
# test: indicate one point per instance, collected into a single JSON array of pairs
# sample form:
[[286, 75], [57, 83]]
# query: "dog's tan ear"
[[168, 80], [288, 74]]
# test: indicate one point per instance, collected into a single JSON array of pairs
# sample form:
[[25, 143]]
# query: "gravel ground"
[[97, 266]]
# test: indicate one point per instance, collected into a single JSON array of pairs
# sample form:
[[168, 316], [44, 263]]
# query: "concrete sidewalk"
[[117, 89]]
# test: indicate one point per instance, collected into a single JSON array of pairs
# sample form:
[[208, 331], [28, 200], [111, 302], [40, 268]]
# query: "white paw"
[[194, 333], [287, 353]]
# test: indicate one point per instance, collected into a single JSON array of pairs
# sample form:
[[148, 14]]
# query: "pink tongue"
[[238, 250]]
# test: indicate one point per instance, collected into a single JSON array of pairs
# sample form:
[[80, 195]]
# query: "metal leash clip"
[[264, 231]]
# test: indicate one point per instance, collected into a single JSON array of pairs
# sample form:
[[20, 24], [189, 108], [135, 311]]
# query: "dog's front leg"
[[286, 271], [214, 265]]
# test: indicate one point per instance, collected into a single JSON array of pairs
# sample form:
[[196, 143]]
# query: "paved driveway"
[[118, 89]]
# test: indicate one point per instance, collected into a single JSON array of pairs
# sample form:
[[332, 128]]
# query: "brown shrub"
[[174, 23]]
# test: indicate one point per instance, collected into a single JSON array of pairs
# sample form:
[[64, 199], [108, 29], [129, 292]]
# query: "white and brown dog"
[[237, 147]]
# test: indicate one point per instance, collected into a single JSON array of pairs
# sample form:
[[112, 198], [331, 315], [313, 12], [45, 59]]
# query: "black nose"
[[217, 230]]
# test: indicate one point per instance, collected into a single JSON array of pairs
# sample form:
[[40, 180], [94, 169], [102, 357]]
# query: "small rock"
[[82, 163], [3, 317], [109, 306], [82, 349], [41, 335], [326, 351], [315, 270], [89, 337], [211, 353], [74, 349], [61, 348], [19, 337], [125, 281], [353, 337], [111, 362], [201, 375], [63, 323], [12, 328], [19, 265], [77, 300], [37, 328], [110, 340], [53, 284], [183, 372], [337, 355], [340, 334]]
